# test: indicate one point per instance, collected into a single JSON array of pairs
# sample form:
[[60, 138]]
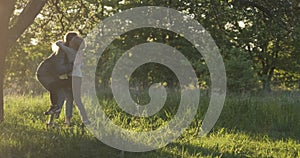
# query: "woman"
[[74, 54]]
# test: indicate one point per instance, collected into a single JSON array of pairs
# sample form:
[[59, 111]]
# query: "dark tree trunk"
[[266, 86], [2, 69], [10, 34], [1, 89], [4, 48], [267, 80], [6, 9]]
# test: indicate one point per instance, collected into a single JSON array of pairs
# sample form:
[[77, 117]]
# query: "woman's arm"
[[71, 53]]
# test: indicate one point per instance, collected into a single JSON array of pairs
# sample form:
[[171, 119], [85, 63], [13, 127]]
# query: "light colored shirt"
[[73, 56], [77, 64]]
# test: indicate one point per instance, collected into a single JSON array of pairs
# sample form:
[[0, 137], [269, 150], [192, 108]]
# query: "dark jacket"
[[51, 68]]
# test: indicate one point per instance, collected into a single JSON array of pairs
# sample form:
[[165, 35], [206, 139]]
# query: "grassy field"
[[249, 126]]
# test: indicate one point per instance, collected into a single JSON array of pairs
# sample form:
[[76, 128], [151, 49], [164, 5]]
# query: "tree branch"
[[25, 19], [6, 10], [253, 4]]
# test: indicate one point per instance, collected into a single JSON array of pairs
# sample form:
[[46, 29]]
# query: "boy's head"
[[77, 43], [69, 36]]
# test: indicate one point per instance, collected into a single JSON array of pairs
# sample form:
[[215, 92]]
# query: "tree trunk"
[[4, 47], [3, 53], [1, 94], [266, 86], [9, 35], [267, 80], [2, 69]]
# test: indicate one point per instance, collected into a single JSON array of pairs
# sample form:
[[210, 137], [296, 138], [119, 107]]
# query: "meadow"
[[249, 126]]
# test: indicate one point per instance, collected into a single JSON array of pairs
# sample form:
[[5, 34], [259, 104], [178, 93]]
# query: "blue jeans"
[[69, 102], [55, 88], [58, 92]]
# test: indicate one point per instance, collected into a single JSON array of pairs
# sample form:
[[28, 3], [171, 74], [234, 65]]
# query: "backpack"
[[54, 65]]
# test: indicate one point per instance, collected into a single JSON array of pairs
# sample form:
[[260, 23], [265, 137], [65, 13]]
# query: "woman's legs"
[[76, 86], [69, 105]]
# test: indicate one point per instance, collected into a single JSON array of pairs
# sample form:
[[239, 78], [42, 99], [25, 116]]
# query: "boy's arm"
[[71, 53]]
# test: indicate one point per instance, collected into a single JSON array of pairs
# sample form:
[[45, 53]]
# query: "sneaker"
[[53, 110], [56, 115]]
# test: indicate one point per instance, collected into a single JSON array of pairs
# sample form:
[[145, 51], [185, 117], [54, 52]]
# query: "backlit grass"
[[248, 127]]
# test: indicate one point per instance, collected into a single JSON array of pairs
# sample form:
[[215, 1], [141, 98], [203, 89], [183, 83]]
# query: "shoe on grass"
[[53, 110], [68, 121]]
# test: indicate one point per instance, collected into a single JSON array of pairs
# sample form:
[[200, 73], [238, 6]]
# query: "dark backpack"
[[54, 65]]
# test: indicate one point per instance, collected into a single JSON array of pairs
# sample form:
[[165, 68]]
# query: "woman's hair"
[[69, 36], [78, 43]]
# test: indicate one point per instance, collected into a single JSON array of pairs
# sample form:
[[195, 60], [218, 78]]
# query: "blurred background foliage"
[[259, 41]]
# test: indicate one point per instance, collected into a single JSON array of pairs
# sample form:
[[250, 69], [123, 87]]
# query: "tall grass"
[[275, 115], [249, 126]]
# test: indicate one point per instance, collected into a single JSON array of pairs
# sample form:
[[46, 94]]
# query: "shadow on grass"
[[186, 150], [34, 141], [19, 140]]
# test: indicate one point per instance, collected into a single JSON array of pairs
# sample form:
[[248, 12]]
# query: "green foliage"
[[241, 76], [22, 64], [266, 32]]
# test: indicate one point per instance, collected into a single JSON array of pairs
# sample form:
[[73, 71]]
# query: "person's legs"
[[55, 109], [57, 96], [69, 105], [57, 101], [59, 83], [53, 97], [46, 81], [77, 97], [61, 97]]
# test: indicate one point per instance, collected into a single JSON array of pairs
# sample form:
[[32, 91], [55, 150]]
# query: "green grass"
[[249, 126]]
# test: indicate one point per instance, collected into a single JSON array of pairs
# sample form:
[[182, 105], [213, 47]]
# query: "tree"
[[268, 36], [11, 29], [265, 33]]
